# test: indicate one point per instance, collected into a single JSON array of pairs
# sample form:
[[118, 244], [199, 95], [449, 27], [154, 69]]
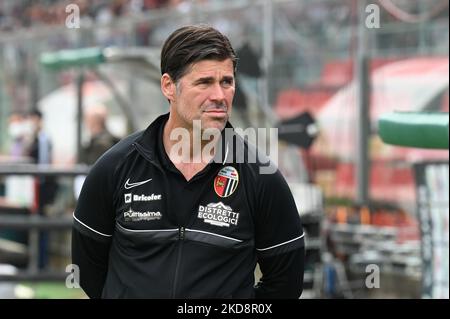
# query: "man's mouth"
[[216, 110]]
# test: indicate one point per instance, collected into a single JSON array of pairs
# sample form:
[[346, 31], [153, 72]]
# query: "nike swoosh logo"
[[129, 185]]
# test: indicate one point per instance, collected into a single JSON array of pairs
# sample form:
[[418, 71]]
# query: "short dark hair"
[[191, 44]]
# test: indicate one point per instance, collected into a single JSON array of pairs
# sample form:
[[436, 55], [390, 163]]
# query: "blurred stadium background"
[[333, 67]]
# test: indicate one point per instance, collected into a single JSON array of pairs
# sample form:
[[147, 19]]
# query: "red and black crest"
[[226, 181]]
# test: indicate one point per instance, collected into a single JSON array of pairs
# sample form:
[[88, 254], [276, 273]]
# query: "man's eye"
[[227, 82]]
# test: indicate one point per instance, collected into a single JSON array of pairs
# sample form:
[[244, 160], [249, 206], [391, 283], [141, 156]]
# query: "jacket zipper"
[[181, 232]]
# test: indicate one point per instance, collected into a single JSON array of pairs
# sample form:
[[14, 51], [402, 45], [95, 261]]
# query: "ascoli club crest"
[[226, 181]]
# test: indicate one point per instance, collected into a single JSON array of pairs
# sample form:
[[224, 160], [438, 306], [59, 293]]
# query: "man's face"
[[205, 93]]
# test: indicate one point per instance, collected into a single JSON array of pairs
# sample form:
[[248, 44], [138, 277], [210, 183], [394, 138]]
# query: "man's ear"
[[168, 87]]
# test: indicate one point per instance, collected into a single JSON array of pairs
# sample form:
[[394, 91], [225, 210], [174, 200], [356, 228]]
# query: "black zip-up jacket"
[[142, 231]]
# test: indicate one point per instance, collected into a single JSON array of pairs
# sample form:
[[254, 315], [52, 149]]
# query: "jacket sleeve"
[[93, 227], [279, 239], [282, 275], [91, 257]]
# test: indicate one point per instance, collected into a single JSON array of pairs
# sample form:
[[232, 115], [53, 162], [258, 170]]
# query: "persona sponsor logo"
[[134, 216], [218, 214]]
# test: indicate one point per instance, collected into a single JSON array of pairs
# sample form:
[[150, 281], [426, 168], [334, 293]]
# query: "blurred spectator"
[[41, 147], [40, 151], [248, 69], [18, 190], [19, 131], [100, 137]]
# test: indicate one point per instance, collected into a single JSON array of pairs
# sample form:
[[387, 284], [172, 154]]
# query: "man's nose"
[[217, 93]]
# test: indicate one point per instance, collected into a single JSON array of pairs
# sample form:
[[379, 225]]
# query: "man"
[[18, 131], [150, 225], [40, 152], [101, 139], [41, 147]]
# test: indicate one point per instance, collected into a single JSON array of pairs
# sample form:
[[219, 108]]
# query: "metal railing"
[[34, 223]]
